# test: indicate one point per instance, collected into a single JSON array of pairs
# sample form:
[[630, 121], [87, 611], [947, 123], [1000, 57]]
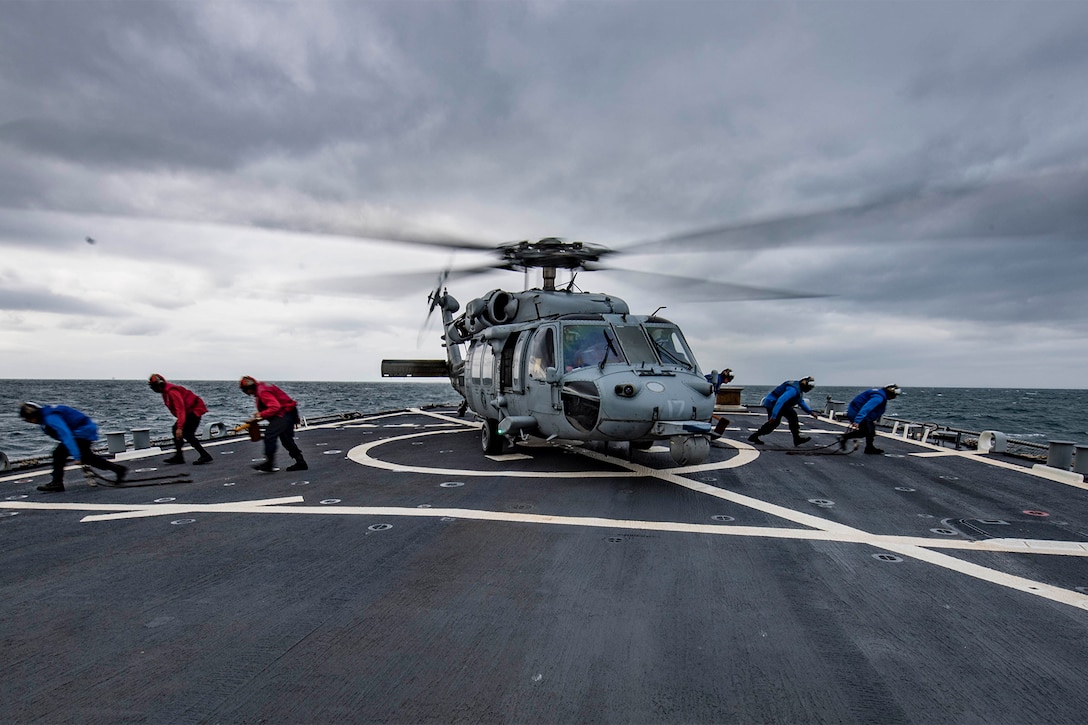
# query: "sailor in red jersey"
[[187, 408], [281, 412]]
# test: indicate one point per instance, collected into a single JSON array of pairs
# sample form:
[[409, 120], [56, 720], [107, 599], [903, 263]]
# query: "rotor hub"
[[550, 252]]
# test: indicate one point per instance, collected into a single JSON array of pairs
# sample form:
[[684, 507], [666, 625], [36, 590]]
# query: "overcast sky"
[[926, 162]]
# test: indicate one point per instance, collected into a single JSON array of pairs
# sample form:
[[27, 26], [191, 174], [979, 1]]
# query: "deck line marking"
[[920, 550]]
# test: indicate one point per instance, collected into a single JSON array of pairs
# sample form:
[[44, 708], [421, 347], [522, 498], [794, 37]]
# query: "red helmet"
[[247, 383], [156, 382]]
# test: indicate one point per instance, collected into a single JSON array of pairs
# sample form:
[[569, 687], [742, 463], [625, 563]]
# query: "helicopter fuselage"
[[575, 366]]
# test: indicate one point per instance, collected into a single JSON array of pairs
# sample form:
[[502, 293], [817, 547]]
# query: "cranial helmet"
[[157, 383], [29, 410], [807, 383], [247, 383], [892, 390]]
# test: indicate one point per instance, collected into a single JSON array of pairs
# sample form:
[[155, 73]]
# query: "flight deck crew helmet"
[[892, 390], [30, 412], [247, 384], [157, 383], [807, 383]]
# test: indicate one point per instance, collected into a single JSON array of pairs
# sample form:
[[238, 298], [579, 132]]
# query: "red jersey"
[[273, 402], [183, 402]]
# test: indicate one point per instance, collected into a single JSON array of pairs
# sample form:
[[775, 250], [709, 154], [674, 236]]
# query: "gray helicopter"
[[561, 365]]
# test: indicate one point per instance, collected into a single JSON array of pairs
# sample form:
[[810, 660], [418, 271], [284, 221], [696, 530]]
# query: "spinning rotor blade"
[[704, 289], [396, 284], [1046, 206]]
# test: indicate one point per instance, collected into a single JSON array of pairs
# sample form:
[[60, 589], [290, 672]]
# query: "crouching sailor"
[[187, 408], [281, 412], [863, 413], [76, 432], [780, 403]]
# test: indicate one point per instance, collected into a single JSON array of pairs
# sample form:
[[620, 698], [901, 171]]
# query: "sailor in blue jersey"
[[75, 431], [863, 413], [780, 403]]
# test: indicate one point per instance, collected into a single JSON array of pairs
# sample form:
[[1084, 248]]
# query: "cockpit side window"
[[541, 353]]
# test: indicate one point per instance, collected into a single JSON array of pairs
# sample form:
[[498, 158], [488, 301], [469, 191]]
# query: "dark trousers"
[[281, 428], [87, 457], [791, 418], [866, 429], [188, 434]]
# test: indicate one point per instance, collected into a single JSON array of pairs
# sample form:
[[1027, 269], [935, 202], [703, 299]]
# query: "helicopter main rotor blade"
[[1040, 207], [395, 284], [709, 290]]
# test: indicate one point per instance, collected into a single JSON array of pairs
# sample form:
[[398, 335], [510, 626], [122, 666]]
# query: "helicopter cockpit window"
[[541, 354], [671, 346], [635, 345], [585, 345]]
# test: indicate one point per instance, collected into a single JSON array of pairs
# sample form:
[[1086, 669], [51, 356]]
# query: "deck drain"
[[24, 480], [521, 506], [1083, 590], [16, 498], [451, 484], [887, 557], [722, 517], [321, 444], [905, 489], [146, 470], [300, 483], [993, 522], [331, 452], [949, 478], [944, 532], [230, 483], [822, 502], [448, 518], [6, 514], [615, 539], [417, 443], [168, 499], [328, 501], [925, 516], [423, 506], [226, 453], [182, 522], [446, 450], [712, 479], [380, 527]]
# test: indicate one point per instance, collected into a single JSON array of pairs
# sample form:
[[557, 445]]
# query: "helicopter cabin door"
[[482, 379]]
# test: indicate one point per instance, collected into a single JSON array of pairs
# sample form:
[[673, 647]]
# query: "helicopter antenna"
[[662, 307]]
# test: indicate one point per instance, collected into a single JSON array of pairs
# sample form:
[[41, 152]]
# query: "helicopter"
[[562, 365]]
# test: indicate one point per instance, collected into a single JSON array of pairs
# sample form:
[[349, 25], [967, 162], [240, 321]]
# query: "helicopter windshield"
[[585, 345], [635, 345], [671, 346]]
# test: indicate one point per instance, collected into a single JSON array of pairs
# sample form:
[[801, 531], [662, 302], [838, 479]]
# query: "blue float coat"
[[66, 424], [786, 395], [867, 405]]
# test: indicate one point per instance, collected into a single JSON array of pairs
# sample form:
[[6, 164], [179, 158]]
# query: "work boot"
[[755, 439], [873, 450], [121, 472], [174, 459], [202, 460], [266, 467], [51, 487], [800, 439], [298, 465], [842, 443]]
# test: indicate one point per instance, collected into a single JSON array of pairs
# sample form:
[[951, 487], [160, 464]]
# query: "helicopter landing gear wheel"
[[490, 440]]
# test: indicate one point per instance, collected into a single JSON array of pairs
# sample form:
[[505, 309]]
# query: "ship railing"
[[959, 438]]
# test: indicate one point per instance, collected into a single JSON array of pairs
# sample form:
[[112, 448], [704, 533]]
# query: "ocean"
[[1025, 413]]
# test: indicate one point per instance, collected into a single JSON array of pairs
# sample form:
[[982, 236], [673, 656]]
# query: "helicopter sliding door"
[[481, 364]]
